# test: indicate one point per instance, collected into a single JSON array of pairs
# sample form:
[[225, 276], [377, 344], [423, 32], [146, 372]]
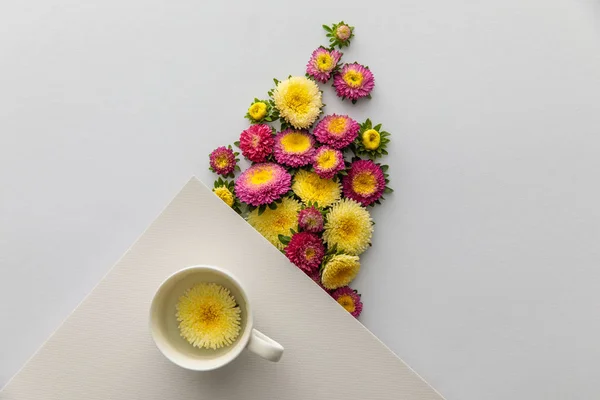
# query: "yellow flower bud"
[[371, 139], [258, 111]]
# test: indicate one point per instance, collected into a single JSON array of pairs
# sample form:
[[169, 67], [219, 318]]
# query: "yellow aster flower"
[[298, 100], [371, 139], [224, 194], [208, 316], [349, 227], [339, 271], [272, 223], [258, 110], [312, 188]]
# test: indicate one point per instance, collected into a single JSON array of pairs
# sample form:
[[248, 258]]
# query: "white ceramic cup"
[[165, 327]]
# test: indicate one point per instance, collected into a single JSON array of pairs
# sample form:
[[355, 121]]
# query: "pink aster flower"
[[310, 220], [294, 148], [364, 183], [322, 63], [353, 81], [257, 142], [306, 250], [349, 299], [328, 162], [222, 161], [338, 131], [262, 184]]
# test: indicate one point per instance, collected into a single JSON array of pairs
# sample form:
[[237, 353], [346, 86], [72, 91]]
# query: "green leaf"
[[262, 209], [237, 143], [284, 239], [384, 168], [384, 151], [273, 206], [328, 29], [377, 127], [388, 190]]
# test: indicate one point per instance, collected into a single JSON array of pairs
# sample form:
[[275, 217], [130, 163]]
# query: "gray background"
[[484, 274]]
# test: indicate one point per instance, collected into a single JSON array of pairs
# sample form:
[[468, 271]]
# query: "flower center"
[[297, 98], [295, 143], [337, 126], [364, 183], [208, 314], [327, 159], [346, 302], [348, 228], [282, 222], [324, 62], [311, 221], [309, 254], [353, 78], [222, 161], [261, 177], [343, 273], [255, 141], [258, 110], [371, 139]]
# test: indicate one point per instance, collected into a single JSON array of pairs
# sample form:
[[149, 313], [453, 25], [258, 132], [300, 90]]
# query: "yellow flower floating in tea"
[[208, 316]]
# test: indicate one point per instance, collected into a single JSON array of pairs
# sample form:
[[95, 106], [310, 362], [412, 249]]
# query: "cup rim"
[[244, 336]]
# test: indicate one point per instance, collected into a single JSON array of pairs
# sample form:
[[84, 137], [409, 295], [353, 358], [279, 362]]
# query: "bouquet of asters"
[[312, 177]]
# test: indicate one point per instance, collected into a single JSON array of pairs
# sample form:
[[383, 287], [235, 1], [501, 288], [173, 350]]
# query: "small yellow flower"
[[224, 194], [371, 139], [272, 223], [339, 271], [310, 187], [208, 316], [258, 110], [349, 227]]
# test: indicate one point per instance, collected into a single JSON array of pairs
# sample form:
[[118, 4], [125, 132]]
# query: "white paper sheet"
[[104, 349]]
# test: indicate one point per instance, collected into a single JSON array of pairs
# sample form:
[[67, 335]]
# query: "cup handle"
[[264, 346]]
